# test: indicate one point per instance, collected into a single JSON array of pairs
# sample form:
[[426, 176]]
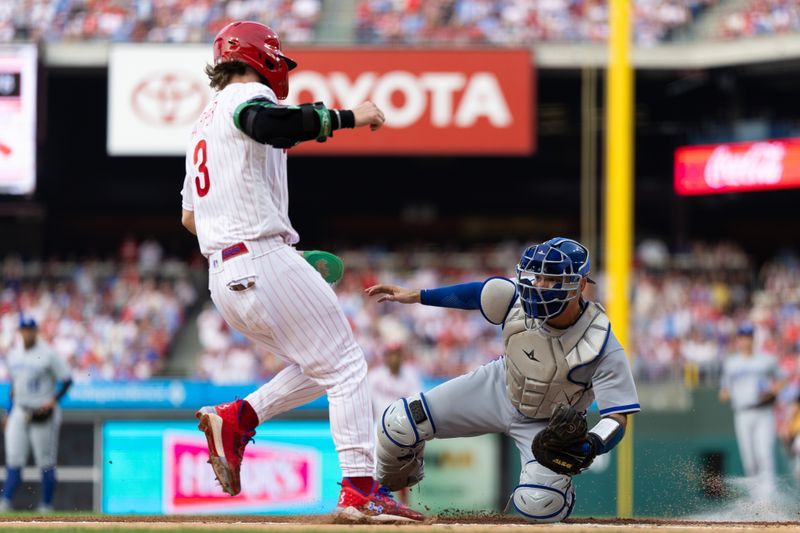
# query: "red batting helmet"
[[259, 47]]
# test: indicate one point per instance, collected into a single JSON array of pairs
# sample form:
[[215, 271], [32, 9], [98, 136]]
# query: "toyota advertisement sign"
[[737, 167], [155, 94], [436, 102]]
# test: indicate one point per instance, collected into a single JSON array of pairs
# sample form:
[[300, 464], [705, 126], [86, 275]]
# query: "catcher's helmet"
[[259, 47], [549, 276]]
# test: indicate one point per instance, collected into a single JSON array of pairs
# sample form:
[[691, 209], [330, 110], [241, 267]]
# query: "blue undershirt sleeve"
[[461, 296]]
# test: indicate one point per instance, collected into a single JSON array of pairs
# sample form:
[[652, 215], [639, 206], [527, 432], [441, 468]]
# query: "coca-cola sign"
[[736, 167]]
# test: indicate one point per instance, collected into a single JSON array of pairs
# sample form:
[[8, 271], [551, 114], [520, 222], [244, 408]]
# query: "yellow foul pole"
[[619, 210]]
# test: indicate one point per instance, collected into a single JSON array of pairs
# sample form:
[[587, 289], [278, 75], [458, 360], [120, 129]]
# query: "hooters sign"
[[435, 101], [274, 476], [737, 167]]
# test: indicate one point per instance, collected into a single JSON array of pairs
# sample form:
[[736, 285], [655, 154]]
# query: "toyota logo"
[[168, 99]]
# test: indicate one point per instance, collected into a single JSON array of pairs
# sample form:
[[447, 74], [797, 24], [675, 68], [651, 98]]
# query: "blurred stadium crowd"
[[110, 319], [762, 17], [499, 22], [686, 307], [117, 319], [514, 22], [151, 20]]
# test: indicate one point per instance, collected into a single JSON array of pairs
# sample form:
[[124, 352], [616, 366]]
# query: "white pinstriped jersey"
[[235, 186]]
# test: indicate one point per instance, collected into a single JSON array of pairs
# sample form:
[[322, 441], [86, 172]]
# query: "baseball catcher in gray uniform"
[[560, 355]]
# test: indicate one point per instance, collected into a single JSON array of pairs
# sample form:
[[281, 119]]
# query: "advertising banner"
[[737, 167], [18, 119], [279, 477], [156, 394], [155, 93], [461, 474], [165, 394], [161, 468], [436, 102]]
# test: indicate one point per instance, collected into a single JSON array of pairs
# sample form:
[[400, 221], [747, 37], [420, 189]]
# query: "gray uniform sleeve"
[[612, 381], [60, 369], [725, 379]]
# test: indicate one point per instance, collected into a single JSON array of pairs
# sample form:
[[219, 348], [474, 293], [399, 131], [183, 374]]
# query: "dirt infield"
[[296, 524]]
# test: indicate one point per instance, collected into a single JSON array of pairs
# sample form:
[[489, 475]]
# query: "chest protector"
[[539, 363]]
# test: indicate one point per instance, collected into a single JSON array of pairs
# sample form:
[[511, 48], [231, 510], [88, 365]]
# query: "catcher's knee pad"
[[542, 495], [402, 431]]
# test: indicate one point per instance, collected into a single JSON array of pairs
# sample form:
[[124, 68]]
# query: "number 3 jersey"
[[235, 186], [35, 373]]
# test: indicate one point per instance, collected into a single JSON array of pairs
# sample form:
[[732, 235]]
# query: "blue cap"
[[745, 329], [26, 321]]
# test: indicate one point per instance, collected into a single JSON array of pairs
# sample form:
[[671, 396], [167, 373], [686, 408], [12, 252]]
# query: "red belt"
[[232, 251]]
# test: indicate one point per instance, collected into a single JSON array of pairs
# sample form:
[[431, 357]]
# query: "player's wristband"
[[330, 266], [345, 117], [325, 124], [606, 434]]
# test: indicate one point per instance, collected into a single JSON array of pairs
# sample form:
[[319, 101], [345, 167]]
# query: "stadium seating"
[[514, 22], [761, 17], [118, 319], [151, 20], [498, 22], [685, 307], [108, 319]]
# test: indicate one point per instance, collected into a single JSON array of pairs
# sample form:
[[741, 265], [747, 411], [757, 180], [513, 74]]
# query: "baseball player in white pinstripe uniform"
[[235, 199]]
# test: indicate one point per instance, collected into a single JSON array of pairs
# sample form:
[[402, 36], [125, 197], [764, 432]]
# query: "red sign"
[[273, 475], [436, 102], [737, 167]]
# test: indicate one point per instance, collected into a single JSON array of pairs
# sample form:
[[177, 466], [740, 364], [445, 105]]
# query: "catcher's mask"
[[259, 47], [549, 276]]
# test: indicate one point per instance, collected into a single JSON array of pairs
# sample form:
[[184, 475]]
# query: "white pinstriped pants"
[[295, 314]]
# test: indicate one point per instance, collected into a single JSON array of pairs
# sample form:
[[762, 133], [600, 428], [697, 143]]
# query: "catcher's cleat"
[[377, 506], [226, 442]]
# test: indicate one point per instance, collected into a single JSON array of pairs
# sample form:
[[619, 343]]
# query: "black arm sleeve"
[[285, 126]]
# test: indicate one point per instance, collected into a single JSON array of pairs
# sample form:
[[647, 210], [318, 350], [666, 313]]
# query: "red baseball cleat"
[[377, 506], [226, 442]]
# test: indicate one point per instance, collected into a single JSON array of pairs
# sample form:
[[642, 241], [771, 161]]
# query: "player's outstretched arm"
[[285, 126], [461, 296], [394, 293], [368, 114]]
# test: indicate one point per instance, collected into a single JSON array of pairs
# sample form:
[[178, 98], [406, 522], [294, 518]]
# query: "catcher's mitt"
[[42, 414], [564, 445]]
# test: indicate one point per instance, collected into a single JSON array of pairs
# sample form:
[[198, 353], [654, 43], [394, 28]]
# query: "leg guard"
[[542, 495], [402, 431]]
